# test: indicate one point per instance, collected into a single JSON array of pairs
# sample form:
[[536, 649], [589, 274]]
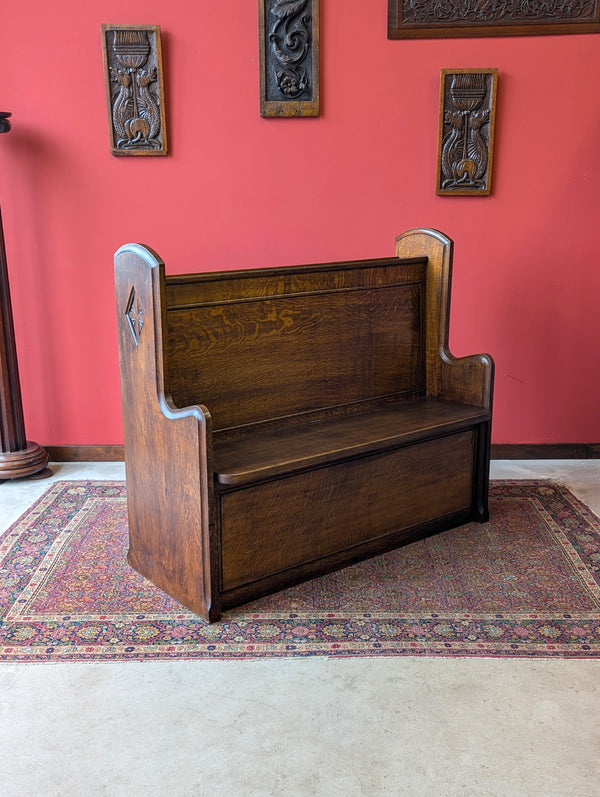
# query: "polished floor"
[[296, 727]]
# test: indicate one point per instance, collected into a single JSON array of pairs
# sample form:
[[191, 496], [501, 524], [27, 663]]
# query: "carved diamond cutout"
[[135, 316]]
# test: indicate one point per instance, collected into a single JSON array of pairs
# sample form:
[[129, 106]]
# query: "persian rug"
[[527, 584]]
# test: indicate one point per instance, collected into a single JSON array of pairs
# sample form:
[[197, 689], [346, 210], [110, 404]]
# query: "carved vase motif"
[[134, 90], [466, 131]]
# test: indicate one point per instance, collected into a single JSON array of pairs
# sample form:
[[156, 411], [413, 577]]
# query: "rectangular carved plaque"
[[408, 19], [134, 89], [466, 132], [289, 57]]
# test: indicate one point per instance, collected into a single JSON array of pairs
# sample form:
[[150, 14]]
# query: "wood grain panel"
[[253, 360], [183, 290], [271, 527]]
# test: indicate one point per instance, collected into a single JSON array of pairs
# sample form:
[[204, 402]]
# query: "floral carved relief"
[[289, 57], [460, 18]]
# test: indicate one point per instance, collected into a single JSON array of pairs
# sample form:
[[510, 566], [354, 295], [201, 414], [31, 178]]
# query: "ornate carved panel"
[[466, 131], [135, 316], [134, 89], [289, 57], [457, 18]]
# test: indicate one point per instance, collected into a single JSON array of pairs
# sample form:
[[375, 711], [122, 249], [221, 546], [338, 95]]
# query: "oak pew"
[[283, 422]]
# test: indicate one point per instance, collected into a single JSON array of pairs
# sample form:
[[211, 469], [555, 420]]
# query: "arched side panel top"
[[139, 317], [139, 275], [465, 379], [142, 268], [438, 249]]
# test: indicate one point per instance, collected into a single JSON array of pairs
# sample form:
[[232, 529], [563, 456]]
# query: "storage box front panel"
[[278, 525]]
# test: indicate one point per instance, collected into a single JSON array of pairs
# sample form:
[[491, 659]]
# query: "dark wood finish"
[[289, 44], [417, 19], [134, 85], [300, 318], [18, 456], [351, 503], [263, 455], [283, 422], [467, 121]]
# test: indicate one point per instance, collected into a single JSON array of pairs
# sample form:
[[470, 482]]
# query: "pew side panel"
[[469, 380], [168, 451]]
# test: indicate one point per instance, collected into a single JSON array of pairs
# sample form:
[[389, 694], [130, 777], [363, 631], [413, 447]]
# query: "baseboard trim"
[[546, 451], [499, 451], [85, 453]]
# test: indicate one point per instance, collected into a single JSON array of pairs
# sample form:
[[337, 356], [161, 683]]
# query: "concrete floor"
[[403, 726]]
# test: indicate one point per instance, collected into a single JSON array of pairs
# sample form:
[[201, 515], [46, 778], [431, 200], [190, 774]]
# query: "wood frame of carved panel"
[[409, 19], [292, 90], [465, 152], [135, 101]]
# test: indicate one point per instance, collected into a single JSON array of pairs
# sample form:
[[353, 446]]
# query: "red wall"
[[237, 190]]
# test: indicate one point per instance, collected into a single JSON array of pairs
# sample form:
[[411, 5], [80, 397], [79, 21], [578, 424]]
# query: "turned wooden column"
[[18, 456]]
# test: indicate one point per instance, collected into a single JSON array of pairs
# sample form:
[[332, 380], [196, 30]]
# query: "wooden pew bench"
[[284, 422]]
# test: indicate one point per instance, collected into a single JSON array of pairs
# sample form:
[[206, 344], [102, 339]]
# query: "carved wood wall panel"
[[466, 131], [458, 18], [134, 89], [289, 57]]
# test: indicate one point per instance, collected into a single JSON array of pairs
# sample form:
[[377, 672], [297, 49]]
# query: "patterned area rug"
[[527, 584]]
